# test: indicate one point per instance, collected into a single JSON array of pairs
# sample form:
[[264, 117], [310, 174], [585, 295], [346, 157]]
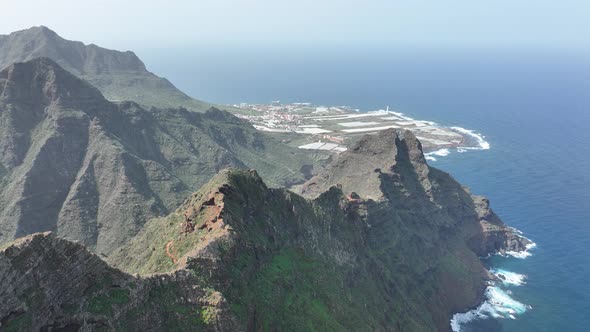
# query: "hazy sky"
[[127, 24]]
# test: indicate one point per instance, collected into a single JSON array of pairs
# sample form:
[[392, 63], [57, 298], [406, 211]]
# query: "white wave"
[[440, 153], [461, 150], [522, 254], [483, 144], [508, 277], [498, 304]]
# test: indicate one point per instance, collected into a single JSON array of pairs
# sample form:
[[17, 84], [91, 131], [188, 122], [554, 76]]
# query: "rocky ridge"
[[94, 171], [50, 284], [378, 240], [405, 260], [118, 75]]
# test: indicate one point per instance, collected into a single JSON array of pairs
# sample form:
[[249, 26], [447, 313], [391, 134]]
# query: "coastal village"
[[333, 128]]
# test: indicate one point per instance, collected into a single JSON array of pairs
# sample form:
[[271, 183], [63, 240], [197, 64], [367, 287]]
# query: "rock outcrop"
[[402, 166], [495, 236], [361, 168]]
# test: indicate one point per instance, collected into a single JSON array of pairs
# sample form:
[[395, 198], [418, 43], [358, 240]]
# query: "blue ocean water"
[[532, 107]]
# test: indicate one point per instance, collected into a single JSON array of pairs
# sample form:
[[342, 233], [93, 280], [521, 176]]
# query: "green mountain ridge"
[[118, 75], [94, 171], [238, 255], [124, 216]]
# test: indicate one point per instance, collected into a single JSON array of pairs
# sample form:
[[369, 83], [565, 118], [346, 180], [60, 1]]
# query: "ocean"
[[531, 107]]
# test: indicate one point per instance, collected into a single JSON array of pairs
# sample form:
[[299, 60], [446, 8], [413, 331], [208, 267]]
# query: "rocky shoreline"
[[498, 240]]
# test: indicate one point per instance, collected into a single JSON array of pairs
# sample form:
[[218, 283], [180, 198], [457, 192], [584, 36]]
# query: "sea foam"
[[480, 139], [498, 304], [483, 144], [440, 153], [522, 254], [508, 277]]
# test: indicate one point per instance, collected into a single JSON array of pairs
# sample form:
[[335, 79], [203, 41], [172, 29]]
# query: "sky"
[[298, 23]]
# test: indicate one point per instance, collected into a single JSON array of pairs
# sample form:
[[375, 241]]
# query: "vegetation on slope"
[[244, 256], [94, 171], [287, 263], [118, 75]]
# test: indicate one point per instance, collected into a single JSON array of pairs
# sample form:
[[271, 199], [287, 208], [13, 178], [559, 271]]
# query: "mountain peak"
[[118, 75], [360, 169], [74, 56], [43, 80], [41, 28]]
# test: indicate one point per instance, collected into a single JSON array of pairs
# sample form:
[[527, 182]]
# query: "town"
[[333, 128]]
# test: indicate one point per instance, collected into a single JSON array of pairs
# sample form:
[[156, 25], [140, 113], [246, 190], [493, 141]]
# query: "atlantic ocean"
[[532, 107]]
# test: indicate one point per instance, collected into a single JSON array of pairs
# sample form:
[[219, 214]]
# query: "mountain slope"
[[238, 255], [390, 168], [95, 171], [118, 75], [406, 261], [50, 284]]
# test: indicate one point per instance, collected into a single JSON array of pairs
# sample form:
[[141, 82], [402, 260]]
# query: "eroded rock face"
[[360, 169], [415, 211], [495, 236]]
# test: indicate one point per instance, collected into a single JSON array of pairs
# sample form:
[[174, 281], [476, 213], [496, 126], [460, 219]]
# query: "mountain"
[[94, 171], [97, 232], [50, 284], [118, 75], [390, 168], [404, 259], [238, 255]]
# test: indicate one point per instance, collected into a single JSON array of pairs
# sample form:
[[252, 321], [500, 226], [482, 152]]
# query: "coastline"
[[495, 301], [334, 128]]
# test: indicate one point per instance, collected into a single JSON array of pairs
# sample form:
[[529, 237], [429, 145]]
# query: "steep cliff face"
[[362, 168], [95, 171], [397, 173], [495, 236], [422, 222], [118, 75]]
